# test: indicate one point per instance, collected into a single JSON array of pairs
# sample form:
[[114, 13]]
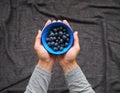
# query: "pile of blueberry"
[[58, 38]]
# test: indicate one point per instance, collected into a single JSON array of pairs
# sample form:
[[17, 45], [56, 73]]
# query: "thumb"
[[76, 40], [38, 40]]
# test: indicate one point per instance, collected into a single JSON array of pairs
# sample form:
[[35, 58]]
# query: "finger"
[[76, 40], [66, 22], [59, 21], [54, 21], [47, 23], [38, 40]]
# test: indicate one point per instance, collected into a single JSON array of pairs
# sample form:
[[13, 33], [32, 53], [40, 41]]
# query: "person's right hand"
[[46, 60], [68, 60]]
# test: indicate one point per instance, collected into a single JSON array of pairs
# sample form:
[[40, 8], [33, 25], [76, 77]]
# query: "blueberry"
[[61, 41], [47, 39], [59, 38], [58, 47], [56, 40], [64, 30], [67, 35], [64, 33], [61, 28], [62, 45], [49, 44], [51, 38], [57, 28], [60, 33], [56, 44], [55, 48], [66, 43], [61, 48], [52, 43], [67, 39], [50, 31], [54, 29], [52, 34], [56, 34], [64, 37]]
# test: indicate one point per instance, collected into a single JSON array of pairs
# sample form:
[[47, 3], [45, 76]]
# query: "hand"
[[68, 60], [46, 60]]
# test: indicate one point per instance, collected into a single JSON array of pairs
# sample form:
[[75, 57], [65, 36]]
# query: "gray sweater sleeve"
[[39, 81], [75, 79], [77, 82]]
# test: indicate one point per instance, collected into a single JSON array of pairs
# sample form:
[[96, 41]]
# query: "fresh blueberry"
[[64, 30], [52, 43], [54, 29], [64, 33], [61, 48], [49, 44], [62, 45], [59, 38], [56, 44], [61, 41], [60, 33], [64, 37], [58, 47], [61, 28], [52, 34], [47, 39], [55, 48], [56, 40], [67, 39], [56, 33], [50, 38], [67, 35], [57, 28], [66, 43]]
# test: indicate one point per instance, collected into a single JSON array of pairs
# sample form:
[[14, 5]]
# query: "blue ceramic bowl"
[[44, 36]]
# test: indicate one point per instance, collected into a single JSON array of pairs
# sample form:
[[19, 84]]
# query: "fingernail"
[[59, 21], [76, 32], [48, 20], [64, 20], [39, 31], [54, 20]]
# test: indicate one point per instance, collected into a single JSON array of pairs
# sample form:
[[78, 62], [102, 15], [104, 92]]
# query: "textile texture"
[[98, 26]]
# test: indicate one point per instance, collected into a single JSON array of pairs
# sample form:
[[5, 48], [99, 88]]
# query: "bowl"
[[48, 33]]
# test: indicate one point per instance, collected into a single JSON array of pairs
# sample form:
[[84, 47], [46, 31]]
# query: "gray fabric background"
[[98, 25]]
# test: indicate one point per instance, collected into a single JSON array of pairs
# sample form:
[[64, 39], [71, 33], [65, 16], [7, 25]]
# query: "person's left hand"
[[68, 60], [46, 60]]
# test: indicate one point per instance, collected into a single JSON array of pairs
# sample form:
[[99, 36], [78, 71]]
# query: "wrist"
[[68, 66], [47, 66]]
